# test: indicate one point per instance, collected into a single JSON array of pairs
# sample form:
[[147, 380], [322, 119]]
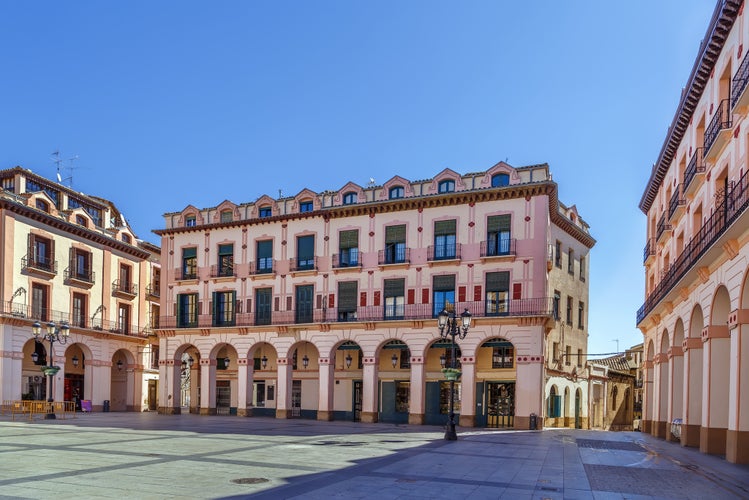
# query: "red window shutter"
[[517, 291], [200, 307], [331, 300], [461, 294], [288, 303], [411, 296], [425, 296], [477, 293], [377, 298], [249, 305], [276, 303], [175, 309], [363, 299], [318, 301]]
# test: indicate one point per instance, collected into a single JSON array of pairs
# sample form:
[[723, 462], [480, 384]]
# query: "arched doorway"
[[661, 417], [225, 380], [77, 386], [578, 409], [187, 378], [717, 352], [122, 389], [690, 433], [677, 374], [304, 389], [264, 378], [495, 394], [33, 381], [348, 388], [395, 384]]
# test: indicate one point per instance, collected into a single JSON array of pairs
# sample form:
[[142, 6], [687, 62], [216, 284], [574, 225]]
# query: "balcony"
[[185, 274], [393, 256], [739, 98], [79, 276], [39, 265], [732, 207], [540, 307], [153, 290], [263, 266], [301, 265], [346, 261], [664, 228], [718, 132], [83, 322], [124, 289], [695, 170], [501, 248], [443, 252], [676, 204], [222, 271], [649, 251]]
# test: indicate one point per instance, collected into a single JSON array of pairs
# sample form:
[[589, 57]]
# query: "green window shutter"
[[305, 247], [395, 234], [395, 288], [348, 239], [214, 302], [347, 292], [444, 227], [188, 253], [443, 283], [497, 223], [226, 249], [496, 282], [265, 249]]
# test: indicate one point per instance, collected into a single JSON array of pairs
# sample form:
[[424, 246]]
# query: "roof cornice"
[[720, 25]]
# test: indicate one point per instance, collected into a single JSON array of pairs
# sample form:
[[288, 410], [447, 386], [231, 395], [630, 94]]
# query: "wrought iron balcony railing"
[[342, 260], [222, 271], [721, 120], [185, 274], [493, 248], [297, 264], [153, 289], [78, 274], [443, 252], [696, 166], [677, 200], [39, 264], [740, 79], [395, 255], [649, 250], [662, 227], [124, 287]]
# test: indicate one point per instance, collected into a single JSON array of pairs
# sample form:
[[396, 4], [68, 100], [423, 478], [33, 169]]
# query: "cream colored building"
[[323, 305], [69, 258], [695, 319]]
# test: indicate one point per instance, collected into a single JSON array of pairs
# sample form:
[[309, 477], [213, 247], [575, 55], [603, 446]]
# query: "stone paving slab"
[[189, 456]]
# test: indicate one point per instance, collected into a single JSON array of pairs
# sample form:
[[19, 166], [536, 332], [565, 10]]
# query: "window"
[[503, 356], [571, 262], [580, 315], [582, 268], [94, 213], [187, 310], [445, 398], [189, 263], [190, 221], [402, 394], [348, 246], [126, 238], [39, 301], [444, 239], [567, 355], [265, 256], [223, 308], [395, 244], [569, 310], [226, 216], [41, 253], [558, 255], [263, 298], [42, 205], [226, 260], [304, 303], [500, 180], [81, 221], [265, 212], [258, 393], [443, 293], [446, 186], [79, 310], [80, 265], [125, 277], [123, 319], [497, 293], [556, 304], [306, 206], [555, 351], [347, 295], [498, 235], [579, 358], [395, 298], [396, 192], [9, 184], [349, 198], [305, 252]]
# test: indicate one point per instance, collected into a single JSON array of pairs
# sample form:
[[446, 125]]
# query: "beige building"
[[324, 305], [695, 319], [71, 259], [613, 383]]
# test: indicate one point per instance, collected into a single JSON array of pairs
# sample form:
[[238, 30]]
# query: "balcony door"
[[304, 297]]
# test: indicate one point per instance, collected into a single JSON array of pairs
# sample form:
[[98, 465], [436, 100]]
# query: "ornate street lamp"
[[119, 365], [52, 334], [349, 359], [449, 329], [264, 361], [305, 361], [394, 359], [75, 361]]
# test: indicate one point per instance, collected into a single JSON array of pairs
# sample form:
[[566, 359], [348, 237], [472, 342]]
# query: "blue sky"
[[174, 103]]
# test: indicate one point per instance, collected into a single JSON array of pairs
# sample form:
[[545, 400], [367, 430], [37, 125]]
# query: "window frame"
[[350, 198], [500, 180], [396, 193], [446, 186]]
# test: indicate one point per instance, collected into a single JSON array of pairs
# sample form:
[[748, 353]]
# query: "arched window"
[[265, 212], [446, 186], [42, 205], [81, 221], [226, 216], [349, 198], [190, 221], [500, 180], [396, 192], [306, 206]]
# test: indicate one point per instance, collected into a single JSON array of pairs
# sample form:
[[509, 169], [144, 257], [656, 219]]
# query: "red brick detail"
[[738, 317], [715, 332]]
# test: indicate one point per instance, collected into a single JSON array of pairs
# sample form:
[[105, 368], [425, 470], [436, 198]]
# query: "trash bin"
[[106, 405], [534, 422]]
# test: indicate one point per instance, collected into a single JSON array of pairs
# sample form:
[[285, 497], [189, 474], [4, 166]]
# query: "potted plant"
[[452, 374]]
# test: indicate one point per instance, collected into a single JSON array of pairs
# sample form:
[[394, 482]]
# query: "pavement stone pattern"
[[146, 455]]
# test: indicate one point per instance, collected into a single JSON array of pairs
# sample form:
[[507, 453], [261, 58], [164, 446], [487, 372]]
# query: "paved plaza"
[[109, 455]]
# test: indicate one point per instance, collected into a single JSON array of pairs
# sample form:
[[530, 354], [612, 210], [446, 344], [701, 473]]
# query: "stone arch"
[[649, 414], [79, 371], [183, 384], [122, 381], [664, 385], [736, 447], [715, 390], [223, 379], [676, 361]]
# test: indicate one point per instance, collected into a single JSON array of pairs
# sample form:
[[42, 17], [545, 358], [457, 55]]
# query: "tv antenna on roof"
[[60, 164], [371, 182]]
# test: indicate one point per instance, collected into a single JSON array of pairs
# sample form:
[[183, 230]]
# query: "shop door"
[[500, 404], [152, 395], [578, 416], [357, 400], [223, 397], [296, 398]]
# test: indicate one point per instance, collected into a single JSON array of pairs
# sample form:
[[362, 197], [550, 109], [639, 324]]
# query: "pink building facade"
[[695, 319], [323, 305]]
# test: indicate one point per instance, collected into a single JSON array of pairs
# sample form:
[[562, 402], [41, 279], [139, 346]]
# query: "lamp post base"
[[50, 416], [451, 435]]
